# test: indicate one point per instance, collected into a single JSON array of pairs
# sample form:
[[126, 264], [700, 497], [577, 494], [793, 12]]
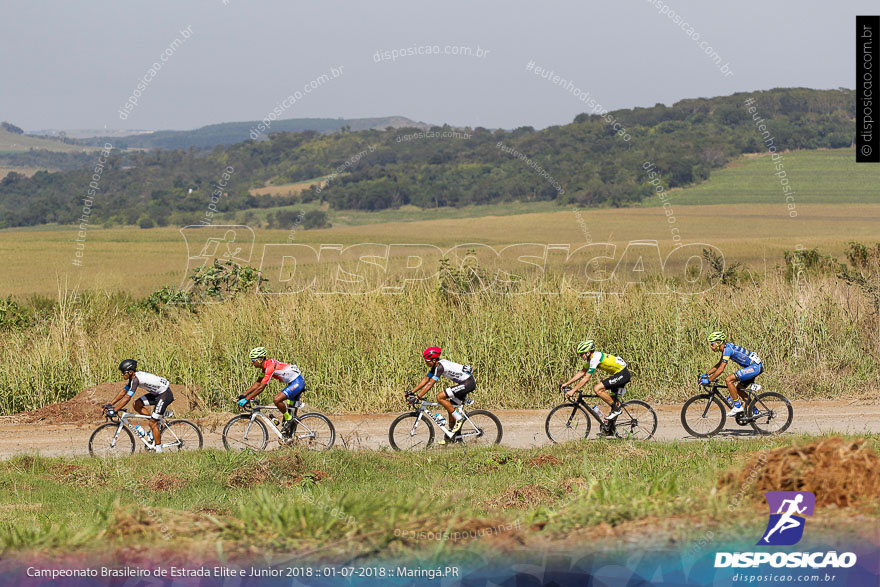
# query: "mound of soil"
[[85, 407], [528, 496], [285, 469], [836, 470]]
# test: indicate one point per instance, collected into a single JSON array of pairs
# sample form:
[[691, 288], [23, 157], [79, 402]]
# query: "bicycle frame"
[[424, 411], [123, 419], [257, 412], [589, 409], [720, 390]]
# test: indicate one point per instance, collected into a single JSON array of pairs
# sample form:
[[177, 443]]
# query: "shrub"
[[12, 315], [315, 219]]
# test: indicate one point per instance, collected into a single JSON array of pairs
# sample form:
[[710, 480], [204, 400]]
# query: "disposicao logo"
[[785, 528], [786, 525]]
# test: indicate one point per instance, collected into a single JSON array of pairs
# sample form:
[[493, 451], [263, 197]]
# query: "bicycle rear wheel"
[[567, 422], [315, 431], [105, 442], [480, 428], [409, 432], [774, 413], [637, 421], [241, 434], [703, 415], [188, 436]]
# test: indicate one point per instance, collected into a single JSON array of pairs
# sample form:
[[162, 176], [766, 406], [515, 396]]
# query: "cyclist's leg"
[[144, 406], [292, 392], [737, 381], [162, 402], [612, 384], [443, 398], [451, 398], [731, 381]]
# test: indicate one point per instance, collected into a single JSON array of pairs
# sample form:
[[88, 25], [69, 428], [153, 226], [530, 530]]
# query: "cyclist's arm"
[[119, 396], [577, 376], [425, 380], [255, 389], [717, 370], [125, 394], [584, 379]]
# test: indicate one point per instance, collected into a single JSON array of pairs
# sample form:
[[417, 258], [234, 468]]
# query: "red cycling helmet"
[[432, 352]]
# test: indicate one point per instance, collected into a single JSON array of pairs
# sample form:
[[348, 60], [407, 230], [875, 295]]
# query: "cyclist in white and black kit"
[[460, 375], [154, 402]]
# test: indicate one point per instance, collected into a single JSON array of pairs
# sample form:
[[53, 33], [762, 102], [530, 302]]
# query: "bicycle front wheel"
[[184, 435], [480, 428], [703, 415], [409, 432], [315, 431], [637, 421], [241, 433], [567, 422], [771, 413], [111, 440]]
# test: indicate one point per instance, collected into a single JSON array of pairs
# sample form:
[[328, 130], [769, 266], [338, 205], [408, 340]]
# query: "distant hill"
[[87, 133], [229, 133]]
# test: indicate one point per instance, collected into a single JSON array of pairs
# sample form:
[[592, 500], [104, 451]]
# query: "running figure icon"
[[787, 522], [787, 516]]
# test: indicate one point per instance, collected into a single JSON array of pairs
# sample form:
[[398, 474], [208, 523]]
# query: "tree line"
[[375, 170]]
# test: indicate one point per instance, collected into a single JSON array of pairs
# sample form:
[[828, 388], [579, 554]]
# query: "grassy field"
[[327, 506], [12, 142], [287, 189], [756, 235], [816, 177], [345, 218]]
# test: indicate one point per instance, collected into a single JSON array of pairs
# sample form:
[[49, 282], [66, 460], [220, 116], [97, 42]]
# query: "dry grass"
[[838, 471]]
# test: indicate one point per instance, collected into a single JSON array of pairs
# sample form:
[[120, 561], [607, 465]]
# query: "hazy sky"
[[74, 64]]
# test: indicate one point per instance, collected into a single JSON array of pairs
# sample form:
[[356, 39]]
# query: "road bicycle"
[[251, 429], [705, 414], [117, 436], [415, 430], [573, 420]]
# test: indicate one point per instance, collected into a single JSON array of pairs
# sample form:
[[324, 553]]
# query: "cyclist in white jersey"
[[458, 374], [154, 402]]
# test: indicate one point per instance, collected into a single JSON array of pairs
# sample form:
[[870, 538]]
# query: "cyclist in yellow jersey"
[[619, 375]]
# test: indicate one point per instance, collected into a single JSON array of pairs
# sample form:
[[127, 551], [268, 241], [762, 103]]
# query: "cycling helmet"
[[128, 365], [717, 336], [586, 346], [258, 353], [432, 352]]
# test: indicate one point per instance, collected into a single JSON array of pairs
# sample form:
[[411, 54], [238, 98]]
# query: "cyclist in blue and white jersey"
[[737, 381]]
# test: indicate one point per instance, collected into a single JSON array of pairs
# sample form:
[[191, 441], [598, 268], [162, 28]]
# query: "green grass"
[[371, 503], [827, 176]]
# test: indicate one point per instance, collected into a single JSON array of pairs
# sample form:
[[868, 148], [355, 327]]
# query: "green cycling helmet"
[[259, 353], [717, 336], [586, 346]]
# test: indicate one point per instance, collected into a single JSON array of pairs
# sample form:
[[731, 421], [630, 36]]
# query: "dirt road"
[[522, 428]]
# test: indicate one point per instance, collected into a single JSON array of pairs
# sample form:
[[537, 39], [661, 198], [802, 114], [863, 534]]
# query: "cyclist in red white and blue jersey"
[[287, 373], [737, 381]]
